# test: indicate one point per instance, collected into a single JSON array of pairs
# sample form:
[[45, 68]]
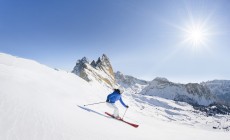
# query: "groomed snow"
[[40, 103]]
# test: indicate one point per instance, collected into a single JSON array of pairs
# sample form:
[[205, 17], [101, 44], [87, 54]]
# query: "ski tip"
[[136, 126]]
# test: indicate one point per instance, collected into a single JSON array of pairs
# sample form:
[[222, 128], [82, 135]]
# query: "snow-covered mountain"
[[38, 102], [205, 93], [221, 89], [192, 93], [96, 71], [130, 83]]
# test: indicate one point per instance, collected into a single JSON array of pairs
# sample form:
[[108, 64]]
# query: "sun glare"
[[196, 30], [196, 36]]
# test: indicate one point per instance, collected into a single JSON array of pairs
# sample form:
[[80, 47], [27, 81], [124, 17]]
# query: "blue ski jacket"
[[115, 96]]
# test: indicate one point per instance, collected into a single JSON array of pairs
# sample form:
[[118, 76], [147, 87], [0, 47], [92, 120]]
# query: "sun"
[[196, 35], [195, 31]]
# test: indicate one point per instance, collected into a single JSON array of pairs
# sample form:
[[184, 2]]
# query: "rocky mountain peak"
[[84, 60], [104, 58], [221, 89], [81, 64], [161, 79], [100, 70], [104, 64], [93, 64], [130, 83], [197, 89], [192, 93]]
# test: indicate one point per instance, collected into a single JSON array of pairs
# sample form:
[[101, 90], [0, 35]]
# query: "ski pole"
[[94, 103], [124, 113]]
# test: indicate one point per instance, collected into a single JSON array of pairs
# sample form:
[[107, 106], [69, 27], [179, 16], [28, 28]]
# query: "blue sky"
[[142, 38]]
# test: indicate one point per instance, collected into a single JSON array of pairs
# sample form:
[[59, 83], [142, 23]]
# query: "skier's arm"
[[123, 103]]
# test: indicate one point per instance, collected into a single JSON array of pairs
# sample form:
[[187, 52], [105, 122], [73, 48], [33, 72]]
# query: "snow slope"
[[40, 103]]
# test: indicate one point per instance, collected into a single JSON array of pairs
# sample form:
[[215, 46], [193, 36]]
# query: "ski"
[[132, 124]]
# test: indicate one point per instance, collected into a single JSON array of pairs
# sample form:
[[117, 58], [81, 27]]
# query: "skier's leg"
[[109, 105], [116, 111]]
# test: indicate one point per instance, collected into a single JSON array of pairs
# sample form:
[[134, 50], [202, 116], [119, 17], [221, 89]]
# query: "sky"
[[181, 40]]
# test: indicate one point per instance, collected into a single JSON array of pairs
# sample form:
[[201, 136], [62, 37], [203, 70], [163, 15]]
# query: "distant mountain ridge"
[[201, 96], [130, 83], [221, 89], [205, 93], [192, 93]]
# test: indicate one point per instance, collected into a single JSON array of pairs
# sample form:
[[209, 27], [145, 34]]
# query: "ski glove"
[[127, 106]]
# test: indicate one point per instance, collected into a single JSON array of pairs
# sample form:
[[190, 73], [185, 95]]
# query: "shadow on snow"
[[93, 111]]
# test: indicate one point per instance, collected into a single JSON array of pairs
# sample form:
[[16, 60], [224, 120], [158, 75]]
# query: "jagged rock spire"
[[101, 70], [93, 64], [80, 65]]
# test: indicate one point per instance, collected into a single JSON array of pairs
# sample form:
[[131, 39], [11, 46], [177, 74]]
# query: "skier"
[[112, 98]]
